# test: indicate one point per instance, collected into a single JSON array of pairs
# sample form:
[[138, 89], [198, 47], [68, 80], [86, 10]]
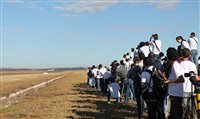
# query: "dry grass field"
[[68, 97], [12, 82]]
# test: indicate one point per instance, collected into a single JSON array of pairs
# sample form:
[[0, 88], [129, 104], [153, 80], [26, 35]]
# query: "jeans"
[[194, 55], [140, 102], [97, 83], [129, 87], [188, 103]]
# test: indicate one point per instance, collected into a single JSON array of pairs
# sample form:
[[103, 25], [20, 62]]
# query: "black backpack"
[[90, 74], [159, 88], [134, 74]]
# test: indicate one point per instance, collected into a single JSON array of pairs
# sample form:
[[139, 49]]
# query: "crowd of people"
[[163, 84]]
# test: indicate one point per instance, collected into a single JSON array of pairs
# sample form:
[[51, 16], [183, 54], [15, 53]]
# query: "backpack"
[[134, 74], [159, 88], [90, 74]]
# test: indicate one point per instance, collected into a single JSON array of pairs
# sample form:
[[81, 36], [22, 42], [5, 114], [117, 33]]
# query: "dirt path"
[[68, 97]]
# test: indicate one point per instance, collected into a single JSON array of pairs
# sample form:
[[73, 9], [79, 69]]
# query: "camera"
[[192, 78], [191, 73]]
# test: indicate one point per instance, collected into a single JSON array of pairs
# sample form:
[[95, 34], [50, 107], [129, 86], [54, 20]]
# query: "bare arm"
[[179, 80]]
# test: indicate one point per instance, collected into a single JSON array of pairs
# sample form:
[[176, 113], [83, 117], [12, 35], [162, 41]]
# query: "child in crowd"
[[92, 82], [113, 91]]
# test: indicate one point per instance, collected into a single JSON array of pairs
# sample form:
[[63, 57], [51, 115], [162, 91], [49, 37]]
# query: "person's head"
[[147, 62], [132, 49], [93, 66], [136, 61], [127, 53], [100, 66], [142, 44], [179, 39], [121, 62], [147, 43], [186, 53], [124, 56], [151, 55], [155, 36], [115, 61], [108, 68], [172, 54], [192, 34]]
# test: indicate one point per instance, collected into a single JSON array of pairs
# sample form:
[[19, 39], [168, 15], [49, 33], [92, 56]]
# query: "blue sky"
[[71, 33]]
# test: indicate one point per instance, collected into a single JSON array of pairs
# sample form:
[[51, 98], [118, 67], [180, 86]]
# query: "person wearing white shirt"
[[124, 58], [102, 71], [147, 84], [175, 81], [145, 49], [107, 75], [182, 42], [156, 45], [113, 91], [193, 43], [95, 71], [188, 88], [128, 64], [132, 53], [127, 56]]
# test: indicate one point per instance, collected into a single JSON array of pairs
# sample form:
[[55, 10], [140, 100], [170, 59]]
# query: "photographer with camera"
[[156, 46], [188, 88]]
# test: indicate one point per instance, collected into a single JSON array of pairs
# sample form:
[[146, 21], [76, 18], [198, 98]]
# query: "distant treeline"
[[56, 69], [68, 68]]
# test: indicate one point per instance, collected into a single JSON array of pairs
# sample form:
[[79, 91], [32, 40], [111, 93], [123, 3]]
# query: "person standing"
[[188, 88], [145, 49], [193, 43], [146, 85], [175, 82], [134, 74], [183, 43], [132, 55], [156, 45], [102, 71]]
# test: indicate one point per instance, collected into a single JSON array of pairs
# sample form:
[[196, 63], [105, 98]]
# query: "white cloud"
[[34, 5], [28, 4], [160, 4], [140, 1], [86, 6], [167, 4], [14, 1], [76, 8], [141, 29]]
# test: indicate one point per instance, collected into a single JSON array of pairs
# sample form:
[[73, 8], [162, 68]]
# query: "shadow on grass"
[[91, 99]]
